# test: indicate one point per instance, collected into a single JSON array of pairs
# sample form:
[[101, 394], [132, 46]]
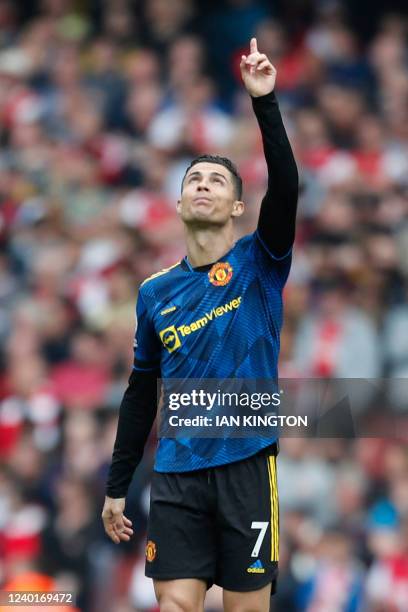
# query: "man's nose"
[[203, 184]]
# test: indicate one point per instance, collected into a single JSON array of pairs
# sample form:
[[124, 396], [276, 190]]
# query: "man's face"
[[208, 196]]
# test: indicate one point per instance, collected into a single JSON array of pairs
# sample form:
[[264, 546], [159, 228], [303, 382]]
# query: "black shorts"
[[220, 525]]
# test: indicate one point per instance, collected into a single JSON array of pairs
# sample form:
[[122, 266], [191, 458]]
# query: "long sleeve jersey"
[[219, 321]]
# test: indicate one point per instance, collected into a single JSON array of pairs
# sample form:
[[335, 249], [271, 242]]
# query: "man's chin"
[[202, 218]]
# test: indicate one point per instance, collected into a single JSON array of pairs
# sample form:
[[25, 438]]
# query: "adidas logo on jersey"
[[256, 568]]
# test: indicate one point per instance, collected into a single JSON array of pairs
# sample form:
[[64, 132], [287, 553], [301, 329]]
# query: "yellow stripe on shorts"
[[272, 514], [273, 485]]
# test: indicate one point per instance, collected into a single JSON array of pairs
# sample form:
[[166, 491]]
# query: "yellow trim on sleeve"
[[156, 274]]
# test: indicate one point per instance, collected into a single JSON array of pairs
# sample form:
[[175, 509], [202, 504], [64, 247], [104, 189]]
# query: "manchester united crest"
[[150, 551], [220, 274]]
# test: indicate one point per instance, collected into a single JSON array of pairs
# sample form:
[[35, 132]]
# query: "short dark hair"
[[223, 161]]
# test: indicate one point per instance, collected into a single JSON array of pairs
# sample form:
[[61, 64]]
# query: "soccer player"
[[214, 502]]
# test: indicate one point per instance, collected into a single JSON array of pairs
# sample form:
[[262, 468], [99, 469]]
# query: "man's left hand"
[[257, 72]]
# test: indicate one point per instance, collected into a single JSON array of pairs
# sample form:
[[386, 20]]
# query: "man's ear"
[[178, 206], [238, 208]]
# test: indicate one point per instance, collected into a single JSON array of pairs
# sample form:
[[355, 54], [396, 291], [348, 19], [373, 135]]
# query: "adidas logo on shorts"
[[256, 568]]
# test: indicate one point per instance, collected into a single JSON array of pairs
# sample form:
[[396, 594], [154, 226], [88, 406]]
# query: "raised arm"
[[276, 225]]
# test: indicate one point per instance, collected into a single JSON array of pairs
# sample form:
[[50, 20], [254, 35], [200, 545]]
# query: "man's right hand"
[[117, 526]]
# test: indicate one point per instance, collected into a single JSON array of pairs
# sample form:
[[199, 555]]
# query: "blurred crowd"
[[102, 105]]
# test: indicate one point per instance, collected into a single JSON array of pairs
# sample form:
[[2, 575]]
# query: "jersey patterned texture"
[[195, 324]]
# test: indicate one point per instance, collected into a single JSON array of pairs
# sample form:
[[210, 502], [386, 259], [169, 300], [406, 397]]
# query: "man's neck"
[[205, 246]]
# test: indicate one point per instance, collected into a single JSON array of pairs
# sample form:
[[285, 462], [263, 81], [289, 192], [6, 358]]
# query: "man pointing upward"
[[214, 515]]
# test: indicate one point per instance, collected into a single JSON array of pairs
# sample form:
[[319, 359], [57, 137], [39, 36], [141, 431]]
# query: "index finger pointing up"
[[253, 46]]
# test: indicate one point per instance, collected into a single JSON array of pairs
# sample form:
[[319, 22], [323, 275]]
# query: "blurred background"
[[102, 105]]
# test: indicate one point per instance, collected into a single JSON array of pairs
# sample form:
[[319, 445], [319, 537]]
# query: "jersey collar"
[[186, 265]]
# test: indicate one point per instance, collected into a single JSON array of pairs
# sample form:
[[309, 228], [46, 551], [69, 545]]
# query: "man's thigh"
[[258, 601], [181, 528], [183, 594], [247, 523]]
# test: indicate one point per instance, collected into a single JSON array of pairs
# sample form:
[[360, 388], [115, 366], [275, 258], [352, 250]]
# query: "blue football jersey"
[[213, 322]]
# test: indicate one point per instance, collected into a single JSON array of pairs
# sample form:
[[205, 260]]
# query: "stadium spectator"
[[93, 105]]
